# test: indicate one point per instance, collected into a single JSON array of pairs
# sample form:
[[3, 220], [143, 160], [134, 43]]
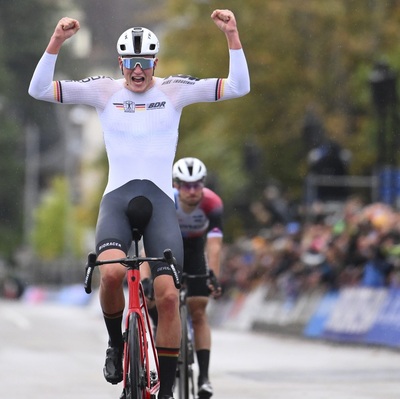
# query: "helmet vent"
[[137, 43]]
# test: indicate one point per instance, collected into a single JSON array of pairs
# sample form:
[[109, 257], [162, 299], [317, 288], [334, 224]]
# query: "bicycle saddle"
[[139, 213]]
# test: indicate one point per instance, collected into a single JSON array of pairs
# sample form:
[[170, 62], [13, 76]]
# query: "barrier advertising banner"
[[358, 314], [386, 328]]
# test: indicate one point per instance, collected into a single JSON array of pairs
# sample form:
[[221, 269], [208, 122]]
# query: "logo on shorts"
[[112, 244]]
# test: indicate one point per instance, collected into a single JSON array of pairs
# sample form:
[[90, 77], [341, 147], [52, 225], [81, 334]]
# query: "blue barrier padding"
[[73, 295], [358, 315], [315, 326], [386, 329]]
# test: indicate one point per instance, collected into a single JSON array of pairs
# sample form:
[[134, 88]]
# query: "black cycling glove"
[[213, 284]]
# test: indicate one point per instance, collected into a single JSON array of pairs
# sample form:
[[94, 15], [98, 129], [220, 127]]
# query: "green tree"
[[19, 53], [302, 55], [58, 229], [21, 45]]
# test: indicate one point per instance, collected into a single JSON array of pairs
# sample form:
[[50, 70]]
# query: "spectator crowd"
[[352, 245]]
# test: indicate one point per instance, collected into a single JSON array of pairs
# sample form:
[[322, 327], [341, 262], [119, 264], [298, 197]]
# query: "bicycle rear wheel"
[[185, 384], [135, 382]]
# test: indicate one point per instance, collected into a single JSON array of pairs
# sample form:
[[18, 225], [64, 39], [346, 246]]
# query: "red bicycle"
[[140, 363]]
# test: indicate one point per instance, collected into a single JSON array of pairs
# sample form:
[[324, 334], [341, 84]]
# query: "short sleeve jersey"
[[204, 220]]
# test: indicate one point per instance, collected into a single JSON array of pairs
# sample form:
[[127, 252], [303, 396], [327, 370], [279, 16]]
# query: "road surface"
[[50, 351]]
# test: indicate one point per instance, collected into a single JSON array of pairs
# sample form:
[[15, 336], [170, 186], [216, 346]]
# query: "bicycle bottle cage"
[[139, 213]]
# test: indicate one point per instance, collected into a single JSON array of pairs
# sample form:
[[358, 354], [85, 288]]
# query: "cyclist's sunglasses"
[[144, 63], [188, 186]]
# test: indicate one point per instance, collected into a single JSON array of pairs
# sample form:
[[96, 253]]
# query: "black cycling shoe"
[[166, 397], [113, 366], [205, 390]]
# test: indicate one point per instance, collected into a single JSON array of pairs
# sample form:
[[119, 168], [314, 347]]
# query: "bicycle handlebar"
[[90, 265], [128, 262], [212, 282]]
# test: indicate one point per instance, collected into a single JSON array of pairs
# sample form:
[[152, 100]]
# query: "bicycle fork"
[[149, 381]]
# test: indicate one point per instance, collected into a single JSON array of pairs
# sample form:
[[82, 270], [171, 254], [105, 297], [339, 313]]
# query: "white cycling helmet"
[[189, 170], [138, 41]]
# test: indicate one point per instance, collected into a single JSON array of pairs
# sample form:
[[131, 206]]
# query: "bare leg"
[[202, 336], [111, 283], [112, 303], [202, 333], [168, 331]]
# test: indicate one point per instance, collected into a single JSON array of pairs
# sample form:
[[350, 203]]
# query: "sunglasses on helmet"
[[131, 62]]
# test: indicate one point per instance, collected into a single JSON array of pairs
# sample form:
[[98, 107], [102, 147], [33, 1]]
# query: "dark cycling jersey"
[[203, 222]]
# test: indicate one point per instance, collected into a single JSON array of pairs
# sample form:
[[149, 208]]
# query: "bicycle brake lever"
[[171, 262], [90, 265]]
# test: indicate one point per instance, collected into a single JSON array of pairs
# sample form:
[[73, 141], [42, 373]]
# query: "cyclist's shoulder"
[[97, 79], [210, 200], [100, 84], [178, 80], [176, 197], [211, 195], [182, 83]]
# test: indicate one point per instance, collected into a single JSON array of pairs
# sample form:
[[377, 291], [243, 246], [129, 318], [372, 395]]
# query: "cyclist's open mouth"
[[138, 79]]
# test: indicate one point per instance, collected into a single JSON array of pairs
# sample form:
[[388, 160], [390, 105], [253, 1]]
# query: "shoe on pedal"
[[113, 366], [205, 390]]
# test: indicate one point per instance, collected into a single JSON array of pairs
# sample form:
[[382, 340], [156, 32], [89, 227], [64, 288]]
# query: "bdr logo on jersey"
[[157, 105]]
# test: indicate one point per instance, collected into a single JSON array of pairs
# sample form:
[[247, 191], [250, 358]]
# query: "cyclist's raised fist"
[[224, 19], [66, 28]]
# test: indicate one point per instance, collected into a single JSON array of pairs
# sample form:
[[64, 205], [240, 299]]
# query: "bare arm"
[[214, 246], [213, 250], [226, 21], [66, 28]]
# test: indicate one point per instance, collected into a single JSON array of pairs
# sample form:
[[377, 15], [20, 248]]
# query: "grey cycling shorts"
[[113, 228]]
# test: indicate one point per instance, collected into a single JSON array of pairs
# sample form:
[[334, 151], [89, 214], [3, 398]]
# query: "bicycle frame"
[[139, 381], [185, 373], [137, 304], [149, 382]]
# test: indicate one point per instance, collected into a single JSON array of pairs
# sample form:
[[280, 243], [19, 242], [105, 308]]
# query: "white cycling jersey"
[[140, 129]]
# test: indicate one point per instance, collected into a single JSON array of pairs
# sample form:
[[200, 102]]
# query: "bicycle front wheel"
[[135, 383]]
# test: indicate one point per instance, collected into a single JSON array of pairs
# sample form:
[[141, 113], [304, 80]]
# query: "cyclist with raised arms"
[[140, 114], [199, 213]]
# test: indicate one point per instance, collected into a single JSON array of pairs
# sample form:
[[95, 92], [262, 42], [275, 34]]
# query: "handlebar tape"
[[90, 265]]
